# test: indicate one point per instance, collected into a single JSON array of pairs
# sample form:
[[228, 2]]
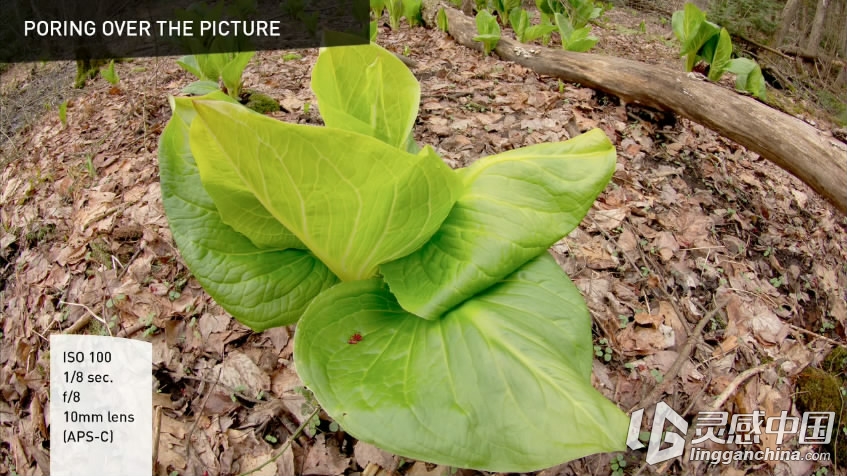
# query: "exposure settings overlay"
[[101, 406]]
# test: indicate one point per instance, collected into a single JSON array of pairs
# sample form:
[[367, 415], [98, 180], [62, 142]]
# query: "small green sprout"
[[603, 350], [618, 464]]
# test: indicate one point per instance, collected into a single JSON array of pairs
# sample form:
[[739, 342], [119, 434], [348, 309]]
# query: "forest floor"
[[691, 223]]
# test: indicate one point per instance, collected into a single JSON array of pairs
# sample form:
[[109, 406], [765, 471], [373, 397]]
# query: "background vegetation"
[[801, 46]]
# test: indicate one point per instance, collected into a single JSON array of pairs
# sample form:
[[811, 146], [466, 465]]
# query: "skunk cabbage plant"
[[431, 319]]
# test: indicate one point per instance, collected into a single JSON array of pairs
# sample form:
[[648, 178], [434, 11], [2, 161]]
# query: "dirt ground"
[[699, 262]]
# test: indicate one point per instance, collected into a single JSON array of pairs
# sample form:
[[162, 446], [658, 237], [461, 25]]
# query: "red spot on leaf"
[[355, 338]]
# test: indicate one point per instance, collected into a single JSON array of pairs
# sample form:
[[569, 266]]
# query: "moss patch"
[[820, 390], [261, 103]]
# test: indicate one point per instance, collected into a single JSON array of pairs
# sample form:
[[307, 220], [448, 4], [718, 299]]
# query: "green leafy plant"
[[547, 21], [424, 297], [693, 31], [377, 7], [618, 465], [441, 20], [374, 31], [292, 57], [826, 326], [504, 8], [412, 12], [294, 9], [603, 350], [549, 8], [719, 55], [526, 32], [574, 39], [109, 74], [213, 67], [488, 31], [703, 40], [580, 12], [63, 113], [395, 12]]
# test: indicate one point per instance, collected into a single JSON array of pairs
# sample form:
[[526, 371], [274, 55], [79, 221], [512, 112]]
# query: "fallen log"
[[811, 155]]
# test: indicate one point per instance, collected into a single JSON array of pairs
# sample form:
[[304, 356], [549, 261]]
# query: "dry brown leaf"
[[420, 469], [278, 337], [324, 458], [249, 462], [283, 384], [596, 254], [285, 463], [366, 453], [239, 372], [672, 319], [610, 219], [172, 444], [773, 403], [645, 340], [797, 356], [666, 245], [751, 320], [695, 229]]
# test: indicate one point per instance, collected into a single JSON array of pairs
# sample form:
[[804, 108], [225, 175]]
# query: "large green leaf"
[[190, 64], [236, 205], [748, 76], [366, 89], [233, 69], [519, 20], [720, 59], [353, 200], [261, 288], [502, 383], [515, 206]]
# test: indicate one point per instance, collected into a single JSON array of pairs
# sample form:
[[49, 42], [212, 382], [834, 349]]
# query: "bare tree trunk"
[[810, 154], [817, 28], [789, 14]]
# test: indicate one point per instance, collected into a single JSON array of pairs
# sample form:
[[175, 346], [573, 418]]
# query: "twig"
[[733, 386], [684, 355], [129, 331], [615, 242], [817, 336], [157, 429], [230, 389], [124, 269], [759, 45], [717, 404], [84, 320], [287, 443], [198, 415]]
